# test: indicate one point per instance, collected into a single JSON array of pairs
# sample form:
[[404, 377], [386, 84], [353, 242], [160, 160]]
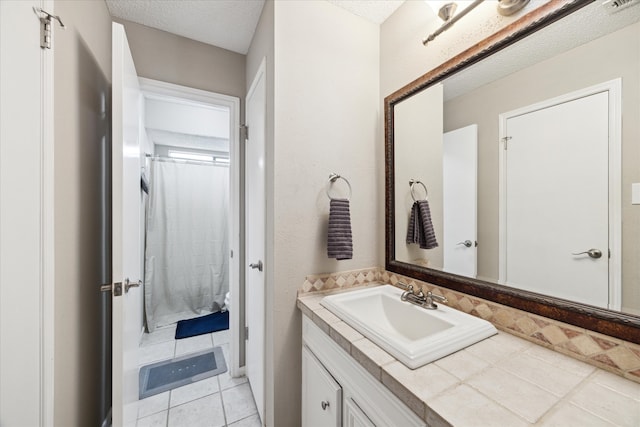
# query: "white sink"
[[414, 335]]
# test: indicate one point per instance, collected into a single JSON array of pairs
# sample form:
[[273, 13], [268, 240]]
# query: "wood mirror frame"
[[608, 322]]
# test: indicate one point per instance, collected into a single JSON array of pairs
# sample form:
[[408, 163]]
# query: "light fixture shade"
[[446, 9], [436, 5], [509, 7]]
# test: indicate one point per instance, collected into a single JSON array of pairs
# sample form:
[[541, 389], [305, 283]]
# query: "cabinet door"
[[321, 394], [353, 415]]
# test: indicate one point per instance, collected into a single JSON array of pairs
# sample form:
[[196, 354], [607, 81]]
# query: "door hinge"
[[505, 140], [231, 253], [246, 333], [244, 130], [46, 24]]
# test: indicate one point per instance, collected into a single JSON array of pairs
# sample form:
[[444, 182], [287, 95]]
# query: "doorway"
[[185, 130], [565, 242], [185, 126]]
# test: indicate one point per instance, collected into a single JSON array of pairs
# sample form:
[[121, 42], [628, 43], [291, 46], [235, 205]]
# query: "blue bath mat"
[[203, 325], [169, 374]]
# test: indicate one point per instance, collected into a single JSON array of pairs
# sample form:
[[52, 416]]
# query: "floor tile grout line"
[[224, 412]]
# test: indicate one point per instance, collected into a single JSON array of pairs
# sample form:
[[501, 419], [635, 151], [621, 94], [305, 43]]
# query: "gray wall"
[[82, 85], [174, 59]]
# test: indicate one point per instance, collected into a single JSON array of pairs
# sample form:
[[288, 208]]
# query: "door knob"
[[116, 288], [593, 253], [466, 243], [128, 284], [257, 265]]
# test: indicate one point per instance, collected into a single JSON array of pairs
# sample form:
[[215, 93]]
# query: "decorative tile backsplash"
[[341, 280], [611, 354]]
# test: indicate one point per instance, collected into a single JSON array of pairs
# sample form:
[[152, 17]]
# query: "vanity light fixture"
[[446, 12]]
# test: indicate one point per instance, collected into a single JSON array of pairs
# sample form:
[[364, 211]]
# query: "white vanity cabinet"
[[330, 374], [353, 415], [321, 394]]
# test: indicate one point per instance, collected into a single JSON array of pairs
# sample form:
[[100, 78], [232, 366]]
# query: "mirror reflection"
[[528, 164]]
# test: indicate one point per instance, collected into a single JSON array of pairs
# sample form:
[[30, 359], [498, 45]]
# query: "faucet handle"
[[403, 285], [438, 298]]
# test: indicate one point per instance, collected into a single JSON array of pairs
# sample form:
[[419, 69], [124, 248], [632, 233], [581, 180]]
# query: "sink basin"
[[414, 335]]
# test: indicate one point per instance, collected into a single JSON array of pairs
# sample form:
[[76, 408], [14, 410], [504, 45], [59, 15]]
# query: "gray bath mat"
[[169, 374]]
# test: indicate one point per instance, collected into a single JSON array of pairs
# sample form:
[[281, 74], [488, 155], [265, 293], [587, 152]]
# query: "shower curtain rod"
[[198, 162]]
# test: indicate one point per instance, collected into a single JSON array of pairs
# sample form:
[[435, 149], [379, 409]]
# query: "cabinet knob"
[[324, 405]]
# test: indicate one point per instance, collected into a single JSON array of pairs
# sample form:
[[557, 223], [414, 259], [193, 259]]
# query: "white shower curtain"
[[186, 254]]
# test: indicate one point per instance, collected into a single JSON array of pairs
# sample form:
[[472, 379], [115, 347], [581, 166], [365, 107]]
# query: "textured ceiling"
[[228, 24], [376, 11]]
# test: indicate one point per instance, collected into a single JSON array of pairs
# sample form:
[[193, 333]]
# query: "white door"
[[556, 189], [126, 254], [321, 394], [26, 206], [460, 200], [255, 237]]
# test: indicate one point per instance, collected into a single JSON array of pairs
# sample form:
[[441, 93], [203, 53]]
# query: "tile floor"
[[218, 401]]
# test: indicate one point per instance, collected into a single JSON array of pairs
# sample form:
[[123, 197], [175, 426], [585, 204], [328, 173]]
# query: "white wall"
[[327, 119], [324, 113], [183, 117]]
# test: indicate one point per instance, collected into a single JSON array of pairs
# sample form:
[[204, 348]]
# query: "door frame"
[[169, 90], [44, 250], [614, 89], [48, 242]]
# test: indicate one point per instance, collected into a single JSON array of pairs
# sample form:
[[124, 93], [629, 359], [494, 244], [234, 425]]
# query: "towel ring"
[[413, 182], [332, 178]]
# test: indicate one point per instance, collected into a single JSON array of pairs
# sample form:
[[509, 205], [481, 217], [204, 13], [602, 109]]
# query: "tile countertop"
[[501, 381]]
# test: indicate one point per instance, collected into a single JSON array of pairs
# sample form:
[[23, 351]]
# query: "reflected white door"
[[556, 200], [460, 200], [126, 254], [255, 237]]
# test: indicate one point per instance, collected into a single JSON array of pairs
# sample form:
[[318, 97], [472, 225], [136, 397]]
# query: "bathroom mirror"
[[456, 134]]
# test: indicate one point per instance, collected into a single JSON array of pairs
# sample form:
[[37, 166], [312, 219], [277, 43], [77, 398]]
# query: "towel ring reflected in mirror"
[[412, 183], [333, 178]]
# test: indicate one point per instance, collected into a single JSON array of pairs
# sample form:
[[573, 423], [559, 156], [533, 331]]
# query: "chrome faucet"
[[419, 298]]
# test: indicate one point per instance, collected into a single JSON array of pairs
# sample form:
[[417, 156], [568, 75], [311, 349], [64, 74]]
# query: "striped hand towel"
[[420, 229], [339, 238]]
